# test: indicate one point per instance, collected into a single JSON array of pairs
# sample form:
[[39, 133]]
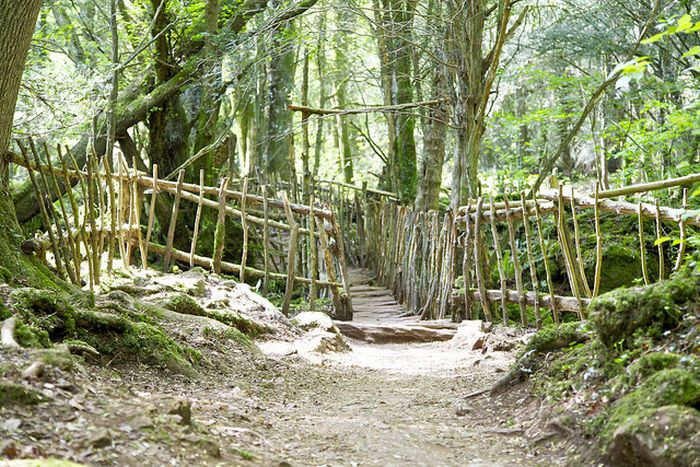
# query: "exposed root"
[[7, 334]]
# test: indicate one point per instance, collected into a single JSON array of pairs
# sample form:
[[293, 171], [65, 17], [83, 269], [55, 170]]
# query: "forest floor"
[[393, 404]]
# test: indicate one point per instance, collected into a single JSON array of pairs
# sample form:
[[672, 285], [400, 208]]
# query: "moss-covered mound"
[[651, 310], [186, 305], [664, 436], [118, 331], [667, 387]]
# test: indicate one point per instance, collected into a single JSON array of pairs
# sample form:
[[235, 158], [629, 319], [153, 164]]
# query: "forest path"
[[396, 403]]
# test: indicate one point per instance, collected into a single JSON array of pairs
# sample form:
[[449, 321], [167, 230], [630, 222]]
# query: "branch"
[[364, 110]]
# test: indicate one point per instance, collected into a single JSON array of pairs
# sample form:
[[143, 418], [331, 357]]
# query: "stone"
[[663, 437], [100, 439], [183, 408], [479, 343], [308, 320], [468, 333], [486, 326]]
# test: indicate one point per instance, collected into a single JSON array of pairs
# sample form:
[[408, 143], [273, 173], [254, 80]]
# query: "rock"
[[486, 326], [308, 320], [661, 437], [11, 424], [479, 344], [623, 313], [34, 371], [468, 333], [183, 408], [16, 394], [140, 422], [462, 411], [667, 387], [320, 341], [100, 439]]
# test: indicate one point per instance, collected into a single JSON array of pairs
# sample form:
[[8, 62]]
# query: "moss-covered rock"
[[186, 305], [555, 337], [665, 436], [548, 339], [666, 387], [651, 310], [12, 394]]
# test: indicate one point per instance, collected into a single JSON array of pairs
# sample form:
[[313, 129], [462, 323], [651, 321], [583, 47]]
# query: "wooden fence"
[[492, 259], [105, 215]]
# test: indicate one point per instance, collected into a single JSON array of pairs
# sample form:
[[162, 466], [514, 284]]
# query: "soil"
[[412, 404]]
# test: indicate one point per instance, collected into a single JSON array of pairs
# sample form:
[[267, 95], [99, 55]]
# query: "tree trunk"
[[16, 28]]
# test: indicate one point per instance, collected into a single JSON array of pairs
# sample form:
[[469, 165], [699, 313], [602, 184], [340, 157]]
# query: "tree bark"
[[16, 28]]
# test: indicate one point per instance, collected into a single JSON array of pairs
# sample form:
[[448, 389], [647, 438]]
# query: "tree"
[[16, 29]]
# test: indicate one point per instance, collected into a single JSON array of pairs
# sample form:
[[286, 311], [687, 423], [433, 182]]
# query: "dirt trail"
[[395, 404]]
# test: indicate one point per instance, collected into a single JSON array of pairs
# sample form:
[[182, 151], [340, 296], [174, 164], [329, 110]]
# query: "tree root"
[[7, 334]]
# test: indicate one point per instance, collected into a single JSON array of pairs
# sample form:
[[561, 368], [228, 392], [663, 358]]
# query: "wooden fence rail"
[[112, 213], [518, 257]]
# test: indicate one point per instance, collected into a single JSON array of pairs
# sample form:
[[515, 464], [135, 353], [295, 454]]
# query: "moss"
[[116, 335], [186, 305], [548, 339], [666, 387], [555, 337], [654, 309], [15, 394], [57, 358], [661, 436]]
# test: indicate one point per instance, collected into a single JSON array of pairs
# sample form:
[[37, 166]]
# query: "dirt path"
[[395, 404]]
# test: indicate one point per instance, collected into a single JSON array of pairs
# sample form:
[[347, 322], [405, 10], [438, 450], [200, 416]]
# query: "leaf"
[[695, 50], [694, 28], [661, 240], [684, 23], [655, 38]]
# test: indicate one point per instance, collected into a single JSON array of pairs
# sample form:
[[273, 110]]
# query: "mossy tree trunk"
[[16, 29]]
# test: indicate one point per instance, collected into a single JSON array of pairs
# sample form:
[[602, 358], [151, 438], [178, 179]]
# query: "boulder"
[[662, 437], [308, 320]]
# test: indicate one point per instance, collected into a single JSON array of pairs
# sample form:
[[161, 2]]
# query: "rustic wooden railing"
[[440, 264], [106, 215]]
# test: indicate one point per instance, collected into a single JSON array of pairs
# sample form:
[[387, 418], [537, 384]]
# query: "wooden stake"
[[548, 273], [79, 237], [516, 266], [291, 256], [44, 213], [220, 232], [86, 217], [499, 261], [565, 242], [659, 243], [467, 270], [313, 254], [642, 248], [480, 280], [195, 234], [74, 253], [151, 213], [598, 244], [244, 225], [531, 260], [577, 243], [266, 240], [138, 203], [173, 223], [681, 246]]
